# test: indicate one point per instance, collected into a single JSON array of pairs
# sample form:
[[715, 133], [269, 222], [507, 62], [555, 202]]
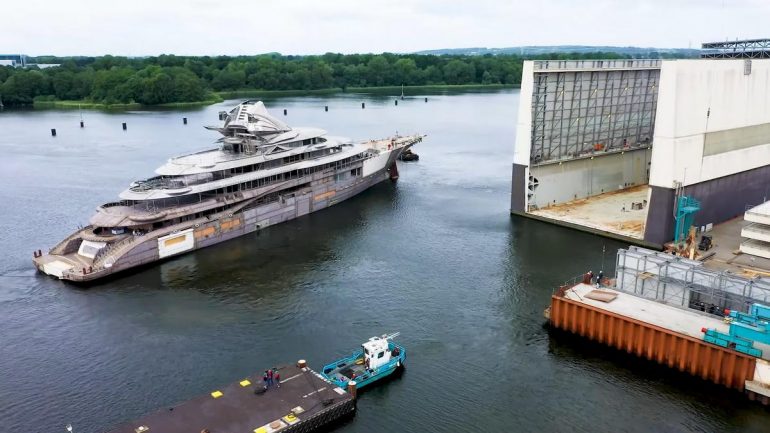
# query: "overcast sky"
[[208, 27]]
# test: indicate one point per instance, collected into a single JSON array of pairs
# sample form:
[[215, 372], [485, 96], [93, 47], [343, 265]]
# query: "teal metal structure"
[[745, 329], [686, 207]]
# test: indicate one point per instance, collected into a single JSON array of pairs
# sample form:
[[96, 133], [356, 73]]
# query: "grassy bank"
[[47, 103], [382, 90], [84, 104], [216, 97]]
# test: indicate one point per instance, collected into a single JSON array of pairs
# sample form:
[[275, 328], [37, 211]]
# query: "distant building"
[[44, 65], [16, 60]]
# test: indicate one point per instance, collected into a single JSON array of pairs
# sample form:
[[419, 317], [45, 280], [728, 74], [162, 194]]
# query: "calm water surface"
[[435, 256]]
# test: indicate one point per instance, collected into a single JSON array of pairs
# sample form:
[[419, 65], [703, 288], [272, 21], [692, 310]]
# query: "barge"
[[304, 402], [263, 173], [669, 335]]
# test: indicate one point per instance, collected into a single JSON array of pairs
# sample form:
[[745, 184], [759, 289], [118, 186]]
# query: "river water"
[[435, 256]]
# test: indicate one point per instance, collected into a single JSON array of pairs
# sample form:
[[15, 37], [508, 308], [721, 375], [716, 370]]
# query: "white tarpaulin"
[[90, 248]]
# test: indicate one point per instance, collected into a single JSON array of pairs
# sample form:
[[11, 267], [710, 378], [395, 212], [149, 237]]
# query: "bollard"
[[184, 120], [426, 99], [82, 125], [301, 363], [53, 132], [326, 108], [363, 105], [125, 127], [352, 389], [396, 101], [285, 111]]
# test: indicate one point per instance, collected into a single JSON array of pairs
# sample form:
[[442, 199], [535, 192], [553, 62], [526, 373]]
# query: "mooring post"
[[352, 389], [301, 363]]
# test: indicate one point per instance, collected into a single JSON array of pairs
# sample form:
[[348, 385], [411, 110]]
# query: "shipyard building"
[[629, 148]]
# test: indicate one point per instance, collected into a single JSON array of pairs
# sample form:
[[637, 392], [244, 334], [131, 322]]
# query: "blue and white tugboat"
[[378, 358]]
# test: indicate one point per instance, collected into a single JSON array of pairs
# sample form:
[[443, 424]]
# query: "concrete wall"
[[523, 144], [581, 178], [721, 199], [712, 120]]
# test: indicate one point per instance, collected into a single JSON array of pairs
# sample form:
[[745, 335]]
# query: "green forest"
[[168, 79]]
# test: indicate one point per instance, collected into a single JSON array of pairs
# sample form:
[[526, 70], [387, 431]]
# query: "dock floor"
[[726, 238], [239, 409], [604, 212]]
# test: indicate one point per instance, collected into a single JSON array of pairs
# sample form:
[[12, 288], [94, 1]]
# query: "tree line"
[[168, 78]]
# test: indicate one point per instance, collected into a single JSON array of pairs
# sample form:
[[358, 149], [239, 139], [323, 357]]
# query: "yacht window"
[[380, 355]]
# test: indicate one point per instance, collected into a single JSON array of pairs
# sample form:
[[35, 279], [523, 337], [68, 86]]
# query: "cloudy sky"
[[207, 27]]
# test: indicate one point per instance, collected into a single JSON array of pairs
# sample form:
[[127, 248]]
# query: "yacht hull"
[[153, 247]]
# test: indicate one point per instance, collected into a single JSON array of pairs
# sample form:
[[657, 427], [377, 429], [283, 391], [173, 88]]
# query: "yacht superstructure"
[[263, 173]]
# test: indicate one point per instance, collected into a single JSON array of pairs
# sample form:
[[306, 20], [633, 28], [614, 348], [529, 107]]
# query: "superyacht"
[[262, 173]]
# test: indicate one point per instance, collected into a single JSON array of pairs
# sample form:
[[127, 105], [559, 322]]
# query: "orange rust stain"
[[327, 194], [208, 231], [230, 224]]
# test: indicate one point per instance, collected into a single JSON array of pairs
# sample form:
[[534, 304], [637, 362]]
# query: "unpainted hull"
[[199, 235]]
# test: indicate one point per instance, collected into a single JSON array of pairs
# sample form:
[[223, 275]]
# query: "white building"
[[607, 145]]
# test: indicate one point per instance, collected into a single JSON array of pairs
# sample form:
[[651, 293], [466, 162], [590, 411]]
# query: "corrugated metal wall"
[[687, 354]]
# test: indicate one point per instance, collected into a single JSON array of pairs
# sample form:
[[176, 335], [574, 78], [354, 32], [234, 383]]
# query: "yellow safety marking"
[[217, 394], [176, 240], [245, 382], [290, 418], [262, 429]]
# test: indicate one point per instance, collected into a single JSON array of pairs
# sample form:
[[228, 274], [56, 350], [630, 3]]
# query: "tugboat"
[[408, 156], [378, 358]]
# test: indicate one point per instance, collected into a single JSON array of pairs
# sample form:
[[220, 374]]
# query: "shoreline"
[[217, 97]]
